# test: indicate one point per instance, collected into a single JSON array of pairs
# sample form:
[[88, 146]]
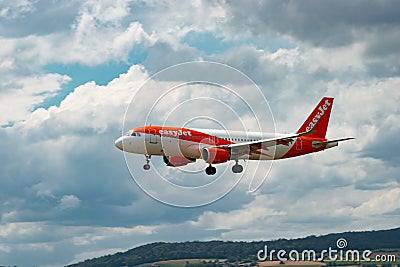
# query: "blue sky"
[[70, 69]]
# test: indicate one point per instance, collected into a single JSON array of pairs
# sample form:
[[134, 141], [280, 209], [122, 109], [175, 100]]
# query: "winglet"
[[318, 120]]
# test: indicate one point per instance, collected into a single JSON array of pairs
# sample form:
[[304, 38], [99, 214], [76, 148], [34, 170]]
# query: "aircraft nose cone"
[[118, 143]]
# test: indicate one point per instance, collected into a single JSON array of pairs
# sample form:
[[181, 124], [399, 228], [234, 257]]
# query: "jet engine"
[[214, 155]]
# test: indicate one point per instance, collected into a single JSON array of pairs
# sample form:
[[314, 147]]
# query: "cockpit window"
[[132, 133], [128, 133]]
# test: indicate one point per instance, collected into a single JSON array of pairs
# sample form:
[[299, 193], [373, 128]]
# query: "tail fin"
[[318, 119]]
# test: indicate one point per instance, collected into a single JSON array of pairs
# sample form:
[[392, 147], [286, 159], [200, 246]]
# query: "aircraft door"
[[153, 139], [299, 144]]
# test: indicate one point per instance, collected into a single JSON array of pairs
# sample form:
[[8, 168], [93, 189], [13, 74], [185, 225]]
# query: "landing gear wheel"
[[214, 170], [237, 168], [146, 166], [210, 170]]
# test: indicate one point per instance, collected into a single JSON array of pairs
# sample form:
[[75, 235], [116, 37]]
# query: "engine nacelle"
[[214, 155], [177, 161]]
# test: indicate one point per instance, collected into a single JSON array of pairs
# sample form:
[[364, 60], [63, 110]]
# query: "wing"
[[256, 147]]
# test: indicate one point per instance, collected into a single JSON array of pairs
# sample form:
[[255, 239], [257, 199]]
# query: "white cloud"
[[36, 247], [23, 94], [244, 217], [105, 19], [14, 9], [69, 202], [89, 106], [287, 57], [21, 230], [171, 29], [6, 249], [102, 31], [7, 64], [337, 59], [60, 166], [383, 202]]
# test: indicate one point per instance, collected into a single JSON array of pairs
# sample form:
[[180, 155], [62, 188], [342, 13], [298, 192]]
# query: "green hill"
[[372, 240]]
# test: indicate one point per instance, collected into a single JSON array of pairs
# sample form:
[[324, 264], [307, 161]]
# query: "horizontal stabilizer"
[[330, 142]]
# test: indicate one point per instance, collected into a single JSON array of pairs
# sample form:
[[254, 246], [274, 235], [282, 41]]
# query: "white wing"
[[248, 148]]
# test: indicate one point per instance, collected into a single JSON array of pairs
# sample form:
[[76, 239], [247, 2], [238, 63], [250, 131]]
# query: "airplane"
[[182, 146]]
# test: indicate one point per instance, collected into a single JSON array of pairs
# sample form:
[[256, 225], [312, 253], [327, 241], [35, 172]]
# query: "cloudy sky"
[[69, 69]]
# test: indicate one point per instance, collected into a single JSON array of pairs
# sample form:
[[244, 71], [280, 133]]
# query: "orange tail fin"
[[318, 119]]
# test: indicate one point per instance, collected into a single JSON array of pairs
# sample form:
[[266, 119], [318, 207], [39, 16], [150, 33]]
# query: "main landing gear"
[[210, 170], [237, 168], [147, 165]]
